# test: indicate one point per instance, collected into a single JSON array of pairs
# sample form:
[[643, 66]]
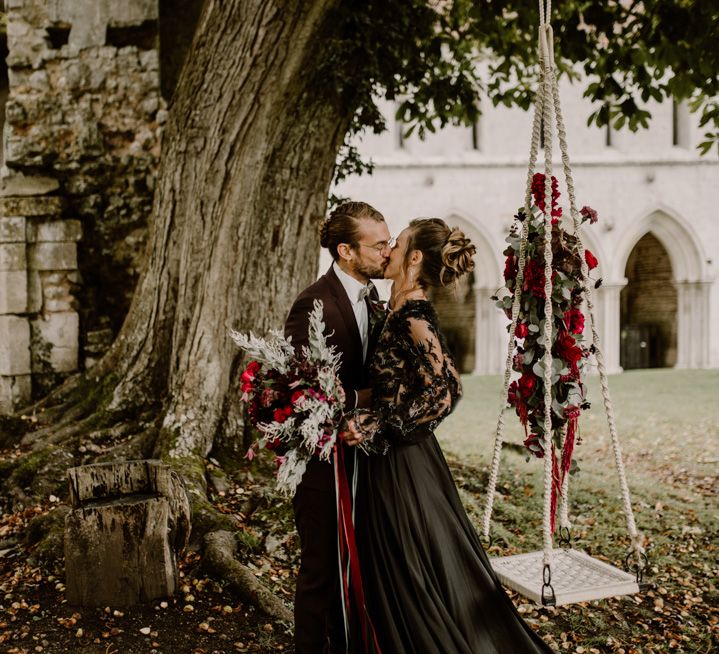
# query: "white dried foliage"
[[291, 471], [276, 352]]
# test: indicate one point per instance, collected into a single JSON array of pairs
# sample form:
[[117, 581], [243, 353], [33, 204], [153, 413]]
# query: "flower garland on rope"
[[526, 393]]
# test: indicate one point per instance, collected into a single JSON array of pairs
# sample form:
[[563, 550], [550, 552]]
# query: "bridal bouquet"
[[569, 352], [294, 399]]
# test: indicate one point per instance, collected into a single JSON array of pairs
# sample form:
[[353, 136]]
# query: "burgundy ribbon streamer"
[[349, 553]]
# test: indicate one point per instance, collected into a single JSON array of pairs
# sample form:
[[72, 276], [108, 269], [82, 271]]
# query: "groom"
[[358, 240]]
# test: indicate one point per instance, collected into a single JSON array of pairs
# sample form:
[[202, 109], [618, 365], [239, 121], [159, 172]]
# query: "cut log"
[[102, 481], [128, 523]]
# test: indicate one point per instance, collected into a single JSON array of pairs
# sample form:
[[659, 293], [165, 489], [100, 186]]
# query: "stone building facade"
[[84, 86], [656, 240], [83, 116]]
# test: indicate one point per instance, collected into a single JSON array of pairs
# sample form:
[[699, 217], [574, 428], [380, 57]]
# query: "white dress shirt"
[[356, 292]]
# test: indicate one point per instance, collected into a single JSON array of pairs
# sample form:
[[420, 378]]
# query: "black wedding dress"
[[429, 587]]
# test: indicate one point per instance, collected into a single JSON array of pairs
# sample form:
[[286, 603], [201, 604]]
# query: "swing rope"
[[548, 103]]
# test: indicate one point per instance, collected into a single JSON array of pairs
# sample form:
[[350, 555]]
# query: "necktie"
[[364, 294], [365, 291]]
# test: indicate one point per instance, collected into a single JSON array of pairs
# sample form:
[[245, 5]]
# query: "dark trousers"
[[319, 626]]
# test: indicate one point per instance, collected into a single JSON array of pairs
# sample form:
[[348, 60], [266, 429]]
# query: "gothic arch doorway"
[[456, 308], [648, 308], [470, 322]]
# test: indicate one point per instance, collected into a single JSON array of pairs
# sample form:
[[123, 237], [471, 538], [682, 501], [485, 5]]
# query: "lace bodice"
[[415, 382]]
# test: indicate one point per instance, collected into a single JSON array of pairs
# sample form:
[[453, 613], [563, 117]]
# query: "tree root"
[[219, 560], [85, 432]]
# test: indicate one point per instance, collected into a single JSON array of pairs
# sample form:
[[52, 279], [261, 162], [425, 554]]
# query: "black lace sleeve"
[[418, 384]]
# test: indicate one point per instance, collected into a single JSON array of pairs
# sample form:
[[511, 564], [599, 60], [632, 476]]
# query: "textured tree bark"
[[248, 156]]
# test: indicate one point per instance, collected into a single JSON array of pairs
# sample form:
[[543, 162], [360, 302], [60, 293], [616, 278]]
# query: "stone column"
[[607, 315], [692, 324], [15, 369], [490, 339]]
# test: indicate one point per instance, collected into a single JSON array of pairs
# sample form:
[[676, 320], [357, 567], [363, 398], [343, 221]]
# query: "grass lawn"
[[668, 423]]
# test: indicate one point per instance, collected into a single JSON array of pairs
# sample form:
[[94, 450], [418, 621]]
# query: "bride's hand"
[[351, 434]]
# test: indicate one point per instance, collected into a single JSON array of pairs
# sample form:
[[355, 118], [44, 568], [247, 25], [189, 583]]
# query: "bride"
[[429, 587]]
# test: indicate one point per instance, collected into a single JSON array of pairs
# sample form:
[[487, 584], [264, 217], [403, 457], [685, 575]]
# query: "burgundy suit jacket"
[[342, 332]]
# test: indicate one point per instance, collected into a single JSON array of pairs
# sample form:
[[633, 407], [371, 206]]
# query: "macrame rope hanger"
[[547, 111]]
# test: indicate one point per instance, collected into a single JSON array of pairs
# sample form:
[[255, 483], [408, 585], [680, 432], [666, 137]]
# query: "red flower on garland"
[[591, 260], [521, 330], [527, 385], [538, 187], [574, 319], [567, 348]]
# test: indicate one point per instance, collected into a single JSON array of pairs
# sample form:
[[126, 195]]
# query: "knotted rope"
[[548, 103]]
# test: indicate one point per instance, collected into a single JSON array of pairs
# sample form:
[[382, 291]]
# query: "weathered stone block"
[[22, 185], [54, 231], [15, 392], [41, 205], [12, 229], [60, 304], [13, 291], [64, 359], [61, 330], [34, 291], [52, 256], [12, 256], [14, 345]]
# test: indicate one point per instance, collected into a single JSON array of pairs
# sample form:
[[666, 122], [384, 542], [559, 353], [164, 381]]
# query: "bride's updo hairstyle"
[[446, 252]]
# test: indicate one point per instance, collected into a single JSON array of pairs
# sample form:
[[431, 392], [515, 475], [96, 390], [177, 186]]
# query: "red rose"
[[280, 415], [273, 444], [527, 385], [590, 259], [574, 319], [567, 348], [296, 397], [521, 330]]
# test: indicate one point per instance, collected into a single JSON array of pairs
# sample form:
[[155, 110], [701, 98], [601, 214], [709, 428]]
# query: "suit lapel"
[[345, 308]]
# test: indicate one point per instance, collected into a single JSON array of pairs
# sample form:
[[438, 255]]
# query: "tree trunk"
[[248, 154], [249, 148]]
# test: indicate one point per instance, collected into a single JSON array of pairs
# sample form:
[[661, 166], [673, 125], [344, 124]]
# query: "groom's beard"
[[371, 271]]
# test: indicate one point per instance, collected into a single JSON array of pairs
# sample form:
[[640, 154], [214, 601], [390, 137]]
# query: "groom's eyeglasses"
[[381, 246]]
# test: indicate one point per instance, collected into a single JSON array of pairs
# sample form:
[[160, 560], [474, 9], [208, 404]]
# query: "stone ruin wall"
[[81, 145]]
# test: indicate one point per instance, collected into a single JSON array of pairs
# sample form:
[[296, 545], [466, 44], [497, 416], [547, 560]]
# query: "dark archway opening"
[[456, 308], [648, 319]]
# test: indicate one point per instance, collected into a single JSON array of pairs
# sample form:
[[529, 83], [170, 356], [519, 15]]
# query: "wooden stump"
[[128, 523]]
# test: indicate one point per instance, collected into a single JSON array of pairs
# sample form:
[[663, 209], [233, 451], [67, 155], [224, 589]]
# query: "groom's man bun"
[[341, 226]]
